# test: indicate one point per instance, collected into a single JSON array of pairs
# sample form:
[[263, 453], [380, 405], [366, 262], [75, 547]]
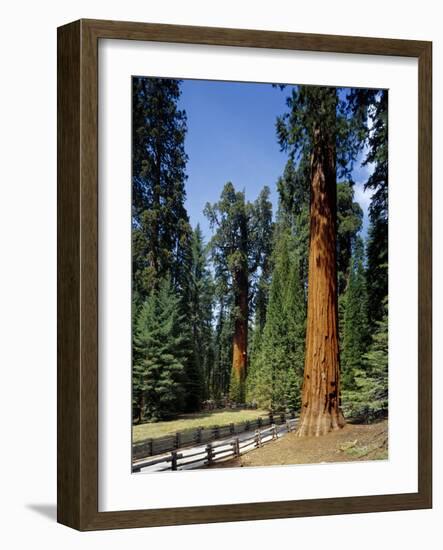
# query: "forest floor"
[[353, 442], [204, 419]]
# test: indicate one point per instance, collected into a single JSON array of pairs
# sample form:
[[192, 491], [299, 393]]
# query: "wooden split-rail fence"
[[214, 452], [189, 438]]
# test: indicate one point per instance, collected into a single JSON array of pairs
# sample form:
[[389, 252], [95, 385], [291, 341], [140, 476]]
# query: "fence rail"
[[216, 452], [188, 438]]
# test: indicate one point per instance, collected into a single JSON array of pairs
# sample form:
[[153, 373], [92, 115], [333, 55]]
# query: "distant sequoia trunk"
[[240, 340], [320, 410]]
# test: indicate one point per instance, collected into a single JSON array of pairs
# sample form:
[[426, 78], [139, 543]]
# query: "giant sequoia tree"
[[318, 126], [240, 245], [277, 352]]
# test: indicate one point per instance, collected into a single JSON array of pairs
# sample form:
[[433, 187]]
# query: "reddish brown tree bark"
[[320, 411], [240, 340]]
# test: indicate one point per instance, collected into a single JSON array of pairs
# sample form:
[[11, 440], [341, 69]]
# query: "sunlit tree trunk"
[[320, 411], [240, 339]]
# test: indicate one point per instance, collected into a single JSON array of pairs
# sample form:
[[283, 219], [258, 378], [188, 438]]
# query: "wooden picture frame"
[[77, 480]]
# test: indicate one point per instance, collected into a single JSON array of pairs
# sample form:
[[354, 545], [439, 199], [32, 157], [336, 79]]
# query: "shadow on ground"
[[49, 511]]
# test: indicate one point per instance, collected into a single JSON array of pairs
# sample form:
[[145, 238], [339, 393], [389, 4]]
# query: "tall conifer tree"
[[277, 364], [159, 356], [355, 331], [317, 126], [199, 318], [374, 106], [240, 246], [161, 230]]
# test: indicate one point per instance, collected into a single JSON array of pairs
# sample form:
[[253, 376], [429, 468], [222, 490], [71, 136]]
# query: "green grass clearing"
[[205, 419]]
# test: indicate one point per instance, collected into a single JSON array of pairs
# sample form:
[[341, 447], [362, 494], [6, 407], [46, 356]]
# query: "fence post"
[[259, 422], [292, 414], [234, 448], [258, 438], [271, 418], [177, 440], [288, 426], [247, 426], [216, 432], [282, 417], [199, 435], [174, 460], [209, 453], [232, 428], [237, 447], [274, 432]]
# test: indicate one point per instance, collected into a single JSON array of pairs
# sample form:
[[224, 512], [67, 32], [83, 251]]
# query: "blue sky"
[[231, 137]]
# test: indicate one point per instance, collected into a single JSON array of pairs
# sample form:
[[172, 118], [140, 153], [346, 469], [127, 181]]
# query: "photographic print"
[[259, 274]]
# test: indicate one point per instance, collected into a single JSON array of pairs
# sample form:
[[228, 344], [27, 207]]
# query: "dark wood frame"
[[77, 456]]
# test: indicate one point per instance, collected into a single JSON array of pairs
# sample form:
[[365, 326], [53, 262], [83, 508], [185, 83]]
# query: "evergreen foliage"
[[160, 226], [261, 250], [368, 398], [355, 322], [199, 319], [349, 223], [159, 356], [224, 328], [277, 364], [293, 210], [374, 105], [377, 274]]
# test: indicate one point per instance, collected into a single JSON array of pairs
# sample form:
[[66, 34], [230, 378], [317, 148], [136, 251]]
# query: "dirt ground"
[[353, 442]]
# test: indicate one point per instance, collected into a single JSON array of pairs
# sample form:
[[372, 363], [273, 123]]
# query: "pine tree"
[[161, 233], [295, 310], [266, 383], [199, 318], [355, 329], [293, 209], [377, 273], [159, 357], [160, 227], [368, 399], [224, 328], [277, 364], [260, 244], [349, 223], [373, 105]]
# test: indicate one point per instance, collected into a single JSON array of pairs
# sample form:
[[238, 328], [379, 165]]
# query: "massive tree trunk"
[[320, 411], [240, 340]]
